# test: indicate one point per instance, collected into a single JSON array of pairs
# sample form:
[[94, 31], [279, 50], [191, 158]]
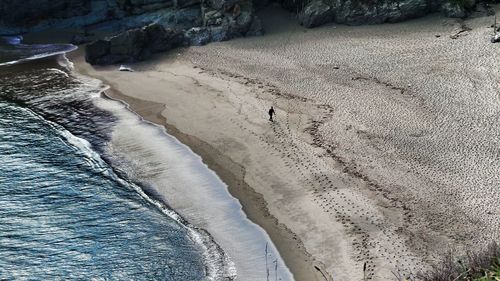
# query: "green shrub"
[[483, 265]]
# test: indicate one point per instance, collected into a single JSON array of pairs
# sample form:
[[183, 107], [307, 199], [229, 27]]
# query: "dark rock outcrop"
[[19, 16], [23, 16], [97, 52], [79, 39], [356, 12], [177, 22], [260, 4], [162, 39], [29, 12], [143, 6], [224, 28], [129, 46], [456, 9], [453, 10], [219, 25], [194, 22], [255, 28], [316, 13], [133, 45], [222, 5], [197, 36]]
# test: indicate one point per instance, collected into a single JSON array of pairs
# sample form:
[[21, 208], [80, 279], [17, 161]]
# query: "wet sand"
[[175, 175], [384, 151]]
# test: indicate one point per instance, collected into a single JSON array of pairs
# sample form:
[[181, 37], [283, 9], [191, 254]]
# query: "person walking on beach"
[[271, 113]]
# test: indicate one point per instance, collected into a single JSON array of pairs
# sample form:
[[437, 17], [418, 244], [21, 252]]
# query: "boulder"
[[96, 52], [212, 17], [220, 33], [162, 39], [316, 13], [243, 20], [485, 9], [197, 36], [410, 9], [129, 45], [453, 10], [255, 28], [456, 8], [133, 45]]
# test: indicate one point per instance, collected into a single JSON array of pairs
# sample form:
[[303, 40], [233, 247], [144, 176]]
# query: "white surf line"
[[40, 56], [194, 191]]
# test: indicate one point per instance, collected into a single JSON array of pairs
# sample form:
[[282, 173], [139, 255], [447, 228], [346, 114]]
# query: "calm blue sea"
[[65, 213]]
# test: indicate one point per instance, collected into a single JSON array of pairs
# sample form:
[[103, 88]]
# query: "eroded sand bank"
[[385, 149]]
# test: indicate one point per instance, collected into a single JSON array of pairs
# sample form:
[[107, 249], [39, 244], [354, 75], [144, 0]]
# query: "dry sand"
[[385, 149]]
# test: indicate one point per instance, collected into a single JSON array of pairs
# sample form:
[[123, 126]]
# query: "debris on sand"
[[126, 68], [495, 38], [460, 31]]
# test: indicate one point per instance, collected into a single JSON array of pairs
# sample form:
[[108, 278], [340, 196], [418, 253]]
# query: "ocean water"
[[65, 213], [91, 191]]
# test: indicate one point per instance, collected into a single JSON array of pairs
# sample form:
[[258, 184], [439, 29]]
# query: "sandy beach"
[[385, 145]]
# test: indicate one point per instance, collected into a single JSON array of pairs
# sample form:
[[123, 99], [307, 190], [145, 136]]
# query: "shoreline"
[[215, 257], [297, 259], [253, 204], [217, 234], [76, 188], [356, 169]]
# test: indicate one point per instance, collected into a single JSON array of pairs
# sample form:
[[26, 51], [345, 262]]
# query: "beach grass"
[[483, 265]]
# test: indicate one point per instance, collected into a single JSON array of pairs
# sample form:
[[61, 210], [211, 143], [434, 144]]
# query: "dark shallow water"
[[12, 51], [64, 212]]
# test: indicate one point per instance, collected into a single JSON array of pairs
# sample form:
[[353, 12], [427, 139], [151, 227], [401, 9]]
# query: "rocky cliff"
[[32, 15], [194, 22], [216, 20], [189, 22], [29, 12], [316, 12]]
